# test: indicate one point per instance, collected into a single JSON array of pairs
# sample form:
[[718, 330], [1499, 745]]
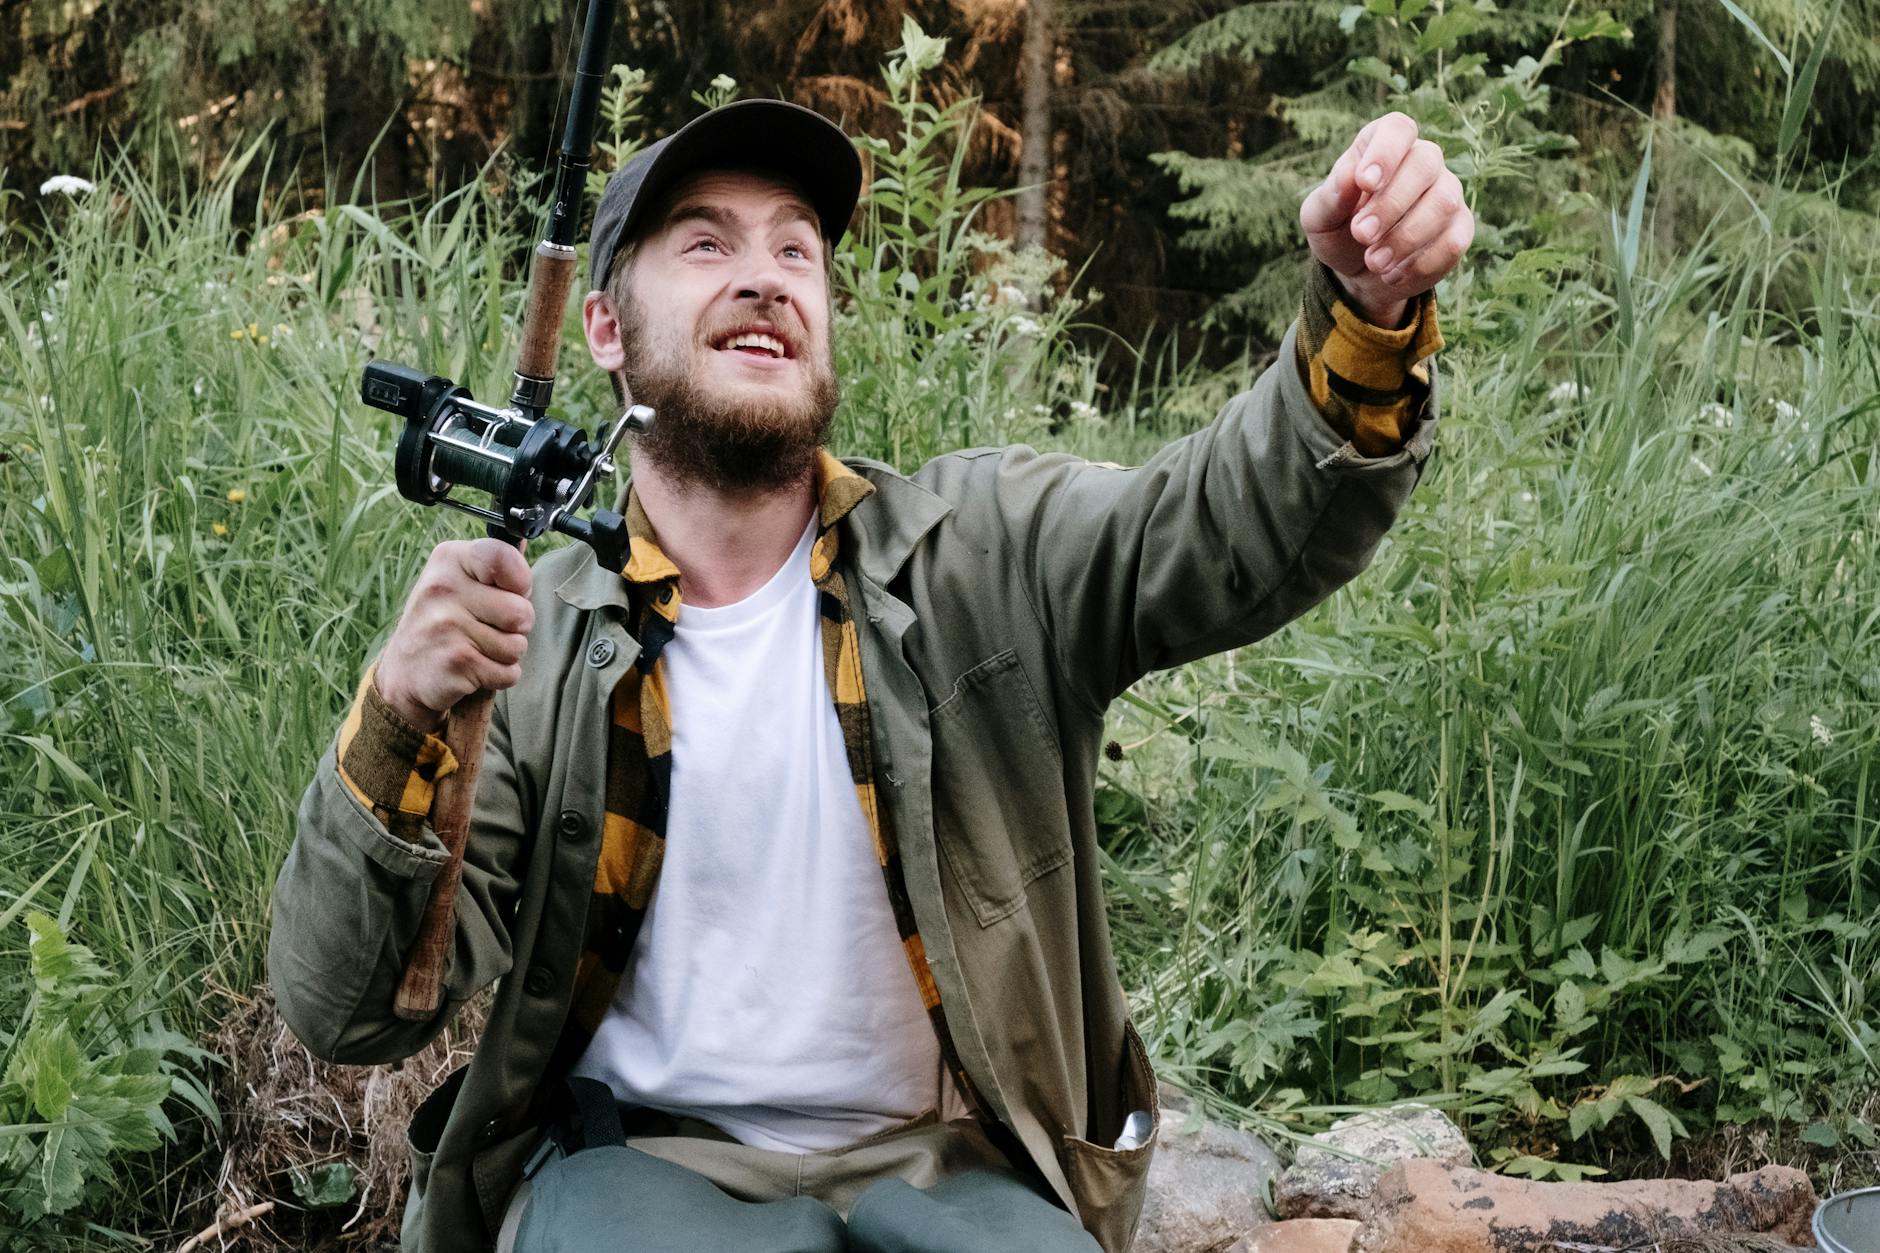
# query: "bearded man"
[[784, 861]]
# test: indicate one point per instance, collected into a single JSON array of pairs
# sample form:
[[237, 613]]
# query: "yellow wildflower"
[[236, 495], [238, 333], [221, 531]]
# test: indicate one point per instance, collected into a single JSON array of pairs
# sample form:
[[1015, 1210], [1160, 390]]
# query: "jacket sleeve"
[[349, 899], [1221, 538]]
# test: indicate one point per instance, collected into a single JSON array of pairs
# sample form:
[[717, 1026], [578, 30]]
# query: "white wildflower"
[[199, 388], [724, 82], [970, 300], [1819, 729], [1082, 411], [1022, 325], [1699, 463], [1011, 294], [1565, 393], [1527, 498], [66, 185], [1716, 414], [1785, 410]]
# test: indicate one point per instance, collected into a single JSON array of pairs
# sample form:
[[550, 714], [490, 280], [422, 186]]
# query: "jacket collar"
[[887, 515]]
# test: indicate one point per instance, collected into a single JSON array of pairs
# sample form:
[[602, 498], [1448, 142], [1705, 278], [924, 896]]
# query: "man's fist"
[[464, 630], [1390, 220]]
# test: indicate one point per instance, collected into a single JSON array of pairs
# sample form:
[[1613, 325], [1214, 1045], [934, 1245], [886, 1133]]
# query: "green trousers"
[[927, 1187]]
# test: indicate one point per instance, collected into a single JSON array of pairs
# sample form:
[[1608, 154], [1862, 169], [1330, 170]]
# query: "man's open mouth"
[[756, 343]]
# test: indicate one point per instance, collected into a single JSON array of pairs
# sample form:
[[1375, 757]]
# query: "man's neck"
[[726, 545]]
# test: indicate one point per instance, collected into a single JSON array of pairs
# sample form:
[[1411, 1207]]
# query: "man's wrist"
[[412, 712], [1388, 314]]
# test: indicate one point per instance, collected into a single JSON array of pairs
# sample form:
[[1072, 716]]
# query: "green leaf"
[[1569, 1007], [1583, 1117], [49, 1067], [1749, 24], [1600, 25], [1446, 29], [1802, 88], [1821, 1134], [1657, 1119], [326, 1186]]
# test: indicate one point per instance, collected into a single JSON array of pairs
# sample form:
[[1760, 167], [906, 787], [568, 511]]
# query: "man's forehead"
[[754, 193]]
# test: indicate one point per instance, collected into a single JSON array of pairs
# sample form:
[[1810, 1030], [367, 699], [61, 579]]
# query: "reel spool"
[[536, 470]]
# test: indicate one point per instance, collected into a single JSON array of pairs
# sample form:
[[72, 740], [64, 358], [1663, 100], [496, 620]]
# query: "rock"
[[1334, 1172], [1428, 1207], [1300, 1235], [1207, 1184]]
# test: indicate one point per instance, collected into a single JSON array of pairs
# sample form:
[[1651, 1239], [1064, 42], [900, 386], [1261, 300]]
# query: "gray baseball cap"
[[773, 135]]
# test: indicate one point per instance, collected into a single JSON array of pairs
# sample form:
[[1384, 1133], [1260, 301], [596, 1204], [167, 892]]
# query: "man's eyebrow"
[[725, 220]]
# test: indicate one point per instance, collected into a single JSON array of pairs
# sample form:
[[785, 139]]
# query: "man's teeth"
[[765, 342]]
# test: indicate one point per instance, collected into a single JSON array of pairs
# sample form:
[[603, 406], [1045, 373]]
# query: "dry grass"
[[287, 1113]]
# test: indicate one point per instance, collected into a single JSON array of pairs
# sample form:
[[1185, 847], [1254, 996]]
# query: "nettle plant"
[[83, 1082], [946, 335]]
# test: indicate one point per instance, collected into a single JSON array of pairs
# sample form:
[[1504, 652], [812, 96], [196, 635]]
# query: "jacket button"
[[540, 981], [492, 1131], [573, 826], [601, 652]]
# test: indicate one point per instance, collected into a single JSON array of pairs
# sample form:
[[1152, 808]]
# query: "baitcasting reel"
[[537, 470]]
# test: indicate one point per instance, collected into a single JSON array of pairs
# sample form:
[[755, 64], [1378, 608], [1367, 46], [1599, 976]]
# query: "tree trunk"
[[1665, 99], [1037, 67], [1664, 109]]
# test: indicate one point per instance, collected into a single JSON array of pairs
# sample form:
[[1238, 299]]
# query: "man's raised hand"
[[1390, 220], [464, 630]]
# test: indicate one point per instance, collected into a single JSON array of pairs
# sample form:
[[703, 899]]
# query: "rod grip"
[[421, 990], [549, 282]]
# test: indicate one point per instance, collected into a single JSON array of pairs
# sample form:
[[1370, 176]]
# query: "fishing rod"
[[535, 471]]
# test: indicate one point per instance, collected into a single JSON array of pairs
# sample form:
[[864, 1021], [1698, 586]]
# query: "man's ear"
[[601, 322]]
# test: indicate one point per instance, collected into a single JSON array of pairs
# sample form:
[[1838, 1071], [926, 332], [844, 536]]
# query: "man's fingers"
[[1332, 202], [1383, 149], [1417, 228], [1414, 175], [1421, 270], [496, 563]]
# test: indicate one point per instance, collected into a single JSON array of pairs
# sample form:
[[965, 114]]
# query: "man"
[[784, 854]]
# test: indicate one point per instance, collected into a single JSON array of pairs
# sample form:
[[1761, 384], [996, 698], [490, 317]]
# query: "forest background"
[[1562, 817]]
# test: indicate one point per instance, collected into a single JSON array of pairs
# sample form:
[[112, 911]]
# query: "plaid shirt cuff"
[[1369, 381], [388, 764]]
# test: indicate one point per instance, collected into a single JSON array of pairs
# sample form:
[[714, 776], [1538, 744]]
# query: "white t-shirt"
[[768, 993]]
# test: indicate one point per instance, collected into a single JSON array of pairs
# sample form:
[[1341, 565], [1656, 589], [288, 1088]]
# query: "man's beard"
[[724, 443]]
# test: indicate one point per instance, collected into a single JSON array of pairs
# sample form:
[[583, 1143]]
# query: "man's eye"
[[707, 243], [796, 250]]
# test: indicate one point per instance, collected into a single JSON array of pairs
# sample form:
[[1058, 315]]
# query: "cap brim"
[[771, 135]]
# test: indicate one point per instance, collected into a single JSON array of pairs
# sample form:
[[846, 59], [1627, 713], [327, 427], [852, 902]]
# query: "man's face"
[[721, 324]]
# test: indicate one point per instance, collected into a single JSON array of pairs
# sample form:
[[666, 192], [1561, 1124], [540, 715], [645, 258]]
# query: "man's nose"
[[764, 282]]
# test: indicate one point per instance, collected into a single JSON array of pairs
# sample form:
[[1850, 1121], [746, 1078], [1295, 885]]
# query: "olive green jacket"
[[1003, 598]]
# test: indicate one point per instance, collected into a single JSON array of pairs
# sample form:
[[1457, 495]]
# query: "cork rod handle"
[[549, 282]]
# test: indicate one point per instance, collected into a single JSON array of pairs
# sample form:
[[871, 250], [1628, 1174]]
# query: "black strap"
[[596, 1118]]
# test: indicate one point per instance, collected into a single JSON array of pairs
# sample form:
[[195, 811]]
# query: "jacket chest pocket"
[[998, 787]]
